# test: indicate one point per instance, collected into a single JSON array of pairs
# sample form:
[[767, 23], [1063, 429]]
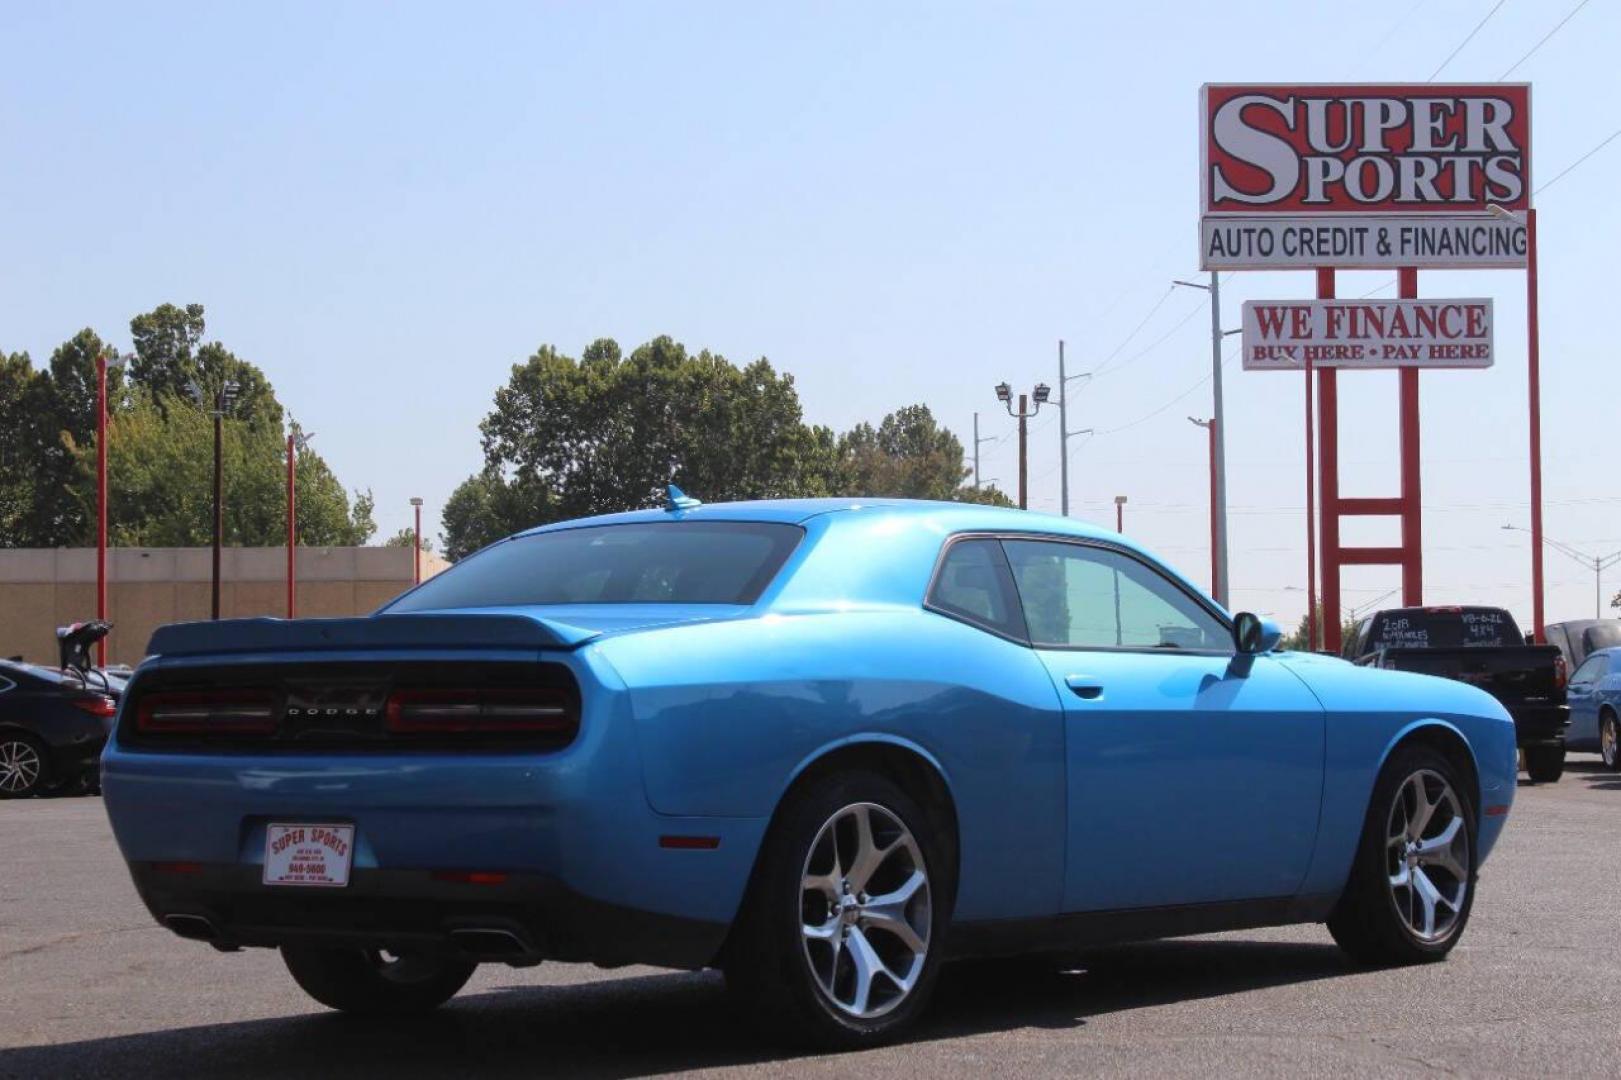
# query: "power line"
[[1451, 55], [1557, 27], [1571, 167]]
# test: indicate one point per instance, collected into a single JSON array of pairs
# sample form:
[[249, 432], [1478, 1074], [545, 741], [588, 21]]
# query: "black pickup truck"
[[1482, 646]]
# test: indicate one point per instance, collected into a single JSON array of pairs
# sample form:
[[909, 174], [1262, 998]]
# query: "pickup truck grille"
[[353, 706]]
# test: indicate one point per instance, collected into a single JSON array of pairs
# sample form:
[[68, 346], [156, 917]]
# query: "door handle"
[[1085, 687]]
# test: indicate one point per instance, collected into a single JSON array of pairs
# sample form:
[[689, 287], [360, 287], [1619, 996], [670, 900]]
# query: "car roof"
[[964, 516]]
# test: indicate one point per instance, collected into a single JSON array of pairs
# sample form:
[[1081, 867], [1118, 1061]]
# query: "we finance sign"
[[1297, 176], [1287, 335]]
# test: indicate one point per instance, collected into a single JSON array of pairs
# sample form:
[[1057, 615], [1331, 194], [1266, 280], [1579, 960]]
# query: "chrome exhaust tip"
[[489, 942]]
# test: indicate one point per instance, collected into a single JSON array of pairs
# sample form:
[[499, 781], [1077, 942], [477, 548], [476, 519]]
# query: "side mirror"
[[1253, 634]]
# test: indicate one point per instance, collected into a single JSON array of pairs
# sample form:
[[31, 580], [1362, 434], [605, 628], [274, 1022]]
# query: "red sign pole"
[[101, 503], [292, 525], [1535, 375], [1412, 511]]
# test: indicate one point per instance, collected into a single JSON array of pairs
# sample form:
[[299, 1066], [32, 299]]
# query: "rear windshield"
[[1445, 628], [687, 562]]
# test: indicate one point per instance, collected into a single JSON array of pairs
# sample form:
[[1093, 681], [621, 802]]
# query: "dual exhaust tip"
[[480, 942]]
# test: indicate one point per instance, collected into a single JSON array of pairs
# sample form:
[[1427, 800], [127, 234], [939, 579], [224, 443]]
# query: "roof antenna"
[[676, 500]]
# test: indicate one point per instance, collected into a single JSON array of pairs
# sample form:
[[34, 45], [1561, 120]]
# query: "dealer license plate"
[[317, 855]]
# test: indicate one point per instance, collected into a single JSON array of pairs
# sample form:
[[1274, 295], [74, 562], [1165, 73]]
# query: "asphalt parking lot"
[[90, 987]]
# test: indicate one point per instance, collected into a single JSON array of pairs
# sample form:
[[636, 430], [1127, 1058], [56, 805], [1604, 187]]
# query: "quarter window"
[[974, 585], [1592, 671], [1079, 596]]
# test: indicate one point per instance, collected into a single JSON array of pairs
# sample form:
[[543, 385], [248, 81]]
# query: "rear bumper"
[[1540, 725], [523, 919]]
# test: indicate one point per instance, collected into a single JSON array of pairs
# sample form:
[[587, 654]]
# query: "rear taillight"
[[480, 711], [1561, 674], [207, 712], [98, 705]]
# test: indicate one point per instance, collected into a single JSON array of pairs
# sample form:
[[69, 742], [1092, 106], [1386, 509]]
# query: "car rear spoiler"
[[470, 631]]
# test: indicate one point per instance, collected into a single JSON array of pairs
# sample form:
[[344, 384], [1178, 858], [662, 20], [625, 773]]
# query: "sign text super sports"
[[1432, 149]]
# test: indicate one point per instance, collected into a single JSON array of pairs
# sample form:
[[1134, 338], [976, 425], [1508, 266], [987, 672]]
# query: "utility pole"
[[297, 440], [1596, 563], [977, 442], [1004, 394], [1215, 567], [1219, 455], [1064, 433]]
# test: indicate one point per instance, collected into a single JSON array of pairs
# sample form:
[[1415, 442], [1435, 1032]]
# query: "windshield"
[[685, 562]]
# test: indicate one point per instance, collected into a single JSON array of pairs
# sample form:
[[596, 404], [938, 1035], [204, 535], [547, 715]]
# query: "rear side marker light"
[[1561, 673], [690, 843], [1498, 810], [99, 705], [410, 712], [470, 877], [204, 712]]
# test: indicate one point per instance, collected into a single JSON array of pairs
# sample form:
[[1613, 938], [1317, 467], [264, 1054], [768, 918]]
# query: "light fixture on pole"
[[1596, 563], [416, 555], [1064, 433], [224, 398], [1120, 514], [298, 441], [1040, 394], [1219, 455], [107, 358]]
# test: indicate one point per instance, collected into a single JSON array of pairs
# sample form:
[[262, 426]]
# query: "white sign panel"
[[1361, 242], [1282, 335], [309, 854]]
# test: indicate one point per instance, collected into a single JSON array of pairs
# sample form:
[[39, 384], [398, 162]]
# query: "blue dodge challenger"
[[823, 745]]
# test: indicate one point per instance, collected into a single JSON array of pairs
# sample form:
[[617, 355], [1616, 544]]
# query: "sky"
[[387, 206]]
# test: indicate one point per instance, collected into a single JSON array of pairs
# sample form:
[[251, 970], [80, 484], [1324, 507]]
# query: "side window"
[[1078, 596], [974, 585], [1591, 671]]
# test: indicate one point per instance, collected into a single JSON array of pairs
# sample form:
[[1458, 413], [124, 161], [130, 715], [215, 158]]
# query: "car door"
[[1194, 776], [1582, 694]]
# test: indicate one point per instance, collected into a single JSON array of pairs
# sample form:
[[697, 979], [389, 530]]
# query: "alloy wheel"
[[1427, 856], [865, 910], [1608, 740], [20, 766]]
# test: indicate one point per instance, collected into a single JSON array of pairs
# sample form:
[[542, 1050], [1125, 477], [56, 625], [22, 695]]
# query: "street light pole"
[[297, 441], [416, 573], [1597, 563], [222, 401], [101, 503], [1219, 453], [1004, 394], [1120, 514]]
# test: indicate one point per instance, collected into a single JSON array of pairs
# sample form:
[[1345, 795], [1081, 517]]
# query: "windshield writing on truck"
[[1442, 629]]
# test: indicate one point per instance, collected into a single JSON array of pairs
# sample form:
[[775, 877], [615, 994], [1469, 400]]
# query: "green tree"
[[405, 538], [1298, 639], [607, 432], [160, 465]]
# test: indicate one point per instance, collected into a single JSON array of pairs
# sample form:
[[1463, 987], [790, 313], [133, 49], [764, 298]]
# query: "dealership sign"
[[1364, 176], [1283, 335]]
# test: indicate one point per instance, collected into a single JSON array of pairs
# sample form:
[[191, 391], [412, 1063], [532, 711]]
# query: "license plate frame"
[[309, 854]]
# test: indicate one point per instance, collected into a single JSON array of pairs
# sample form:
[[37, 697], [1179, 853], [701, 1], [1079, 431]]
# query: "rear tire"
[[851, 885], [1545, 764], [1413, 882], [1609, 740], [371, 983], [25, 768]]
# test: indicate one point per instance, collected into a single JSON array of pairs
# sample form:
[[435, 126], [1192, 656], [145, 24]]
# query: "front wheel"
[[1412, 884], [24, 769], [1545, 764], [372, 982], [1609, 741], [840, 938]]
